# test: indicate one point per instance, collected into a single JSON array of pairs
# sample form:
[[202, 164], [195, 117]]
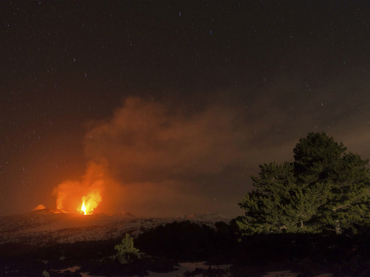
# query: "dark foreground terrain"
[[164, 247]]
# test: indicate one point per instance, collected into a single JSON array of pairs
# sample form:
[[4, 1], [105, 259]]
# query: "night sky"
[[177, 102]]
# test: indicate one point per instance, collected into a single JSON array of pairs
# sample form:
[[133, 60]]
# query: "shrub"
[[126, 249]]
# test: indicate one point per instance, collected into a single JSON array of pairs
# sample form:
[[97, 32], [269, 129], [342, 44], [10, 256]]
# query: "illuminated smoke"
[[39, 207], [70, 194], [160, 158]]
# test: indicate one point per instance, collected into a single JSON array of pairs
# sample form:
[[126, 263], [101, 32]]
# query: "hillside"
[[48, 226]]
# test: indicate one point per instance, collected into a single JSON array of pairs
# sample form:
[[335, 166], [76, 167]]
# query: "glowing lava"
[[90, 202], [83, 208], [84, 196]]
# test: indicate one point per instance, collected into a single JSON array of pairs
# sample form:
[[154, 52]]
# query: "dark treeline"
[[167, 245], [189, 241], [303, 252]]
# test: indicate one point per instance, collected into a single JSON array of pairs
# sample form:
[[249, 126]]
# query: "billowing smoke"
[[39, 207], [95, 184], [166, 162]]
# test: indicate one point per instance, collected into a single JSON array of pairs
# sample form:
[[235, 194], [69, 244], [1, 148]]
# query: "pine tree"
[[126, 249], [324, 188], [279, 204], [319, 158]]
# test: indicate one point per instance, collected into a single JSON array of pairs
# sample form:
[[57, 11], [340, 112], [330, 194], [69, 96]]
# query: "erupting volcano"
[[86, 195], [90, 202], [83, 208]]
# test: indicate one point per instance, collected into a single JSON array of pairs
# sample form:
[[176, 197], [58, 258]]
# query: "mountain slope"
[[47, 226]]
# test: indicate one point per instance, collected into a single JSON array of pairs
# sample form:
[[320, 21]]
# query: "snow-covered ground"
[[184, 267], [45, 226], [180, 270]]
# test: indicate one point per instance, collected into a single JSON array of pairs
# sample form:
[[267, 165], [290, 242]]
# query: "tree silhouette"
[[323, 189]]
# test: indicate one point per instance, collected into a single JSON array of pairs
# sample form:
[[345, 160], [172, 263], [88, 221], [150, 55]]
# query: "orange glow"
[[39, 207], [84, 196], [83, 208], [90, 202]]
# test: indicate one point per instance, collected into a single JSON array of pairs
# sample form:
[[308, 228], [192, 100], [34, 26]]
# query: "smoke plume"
[[91, 190], [166, 162]]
